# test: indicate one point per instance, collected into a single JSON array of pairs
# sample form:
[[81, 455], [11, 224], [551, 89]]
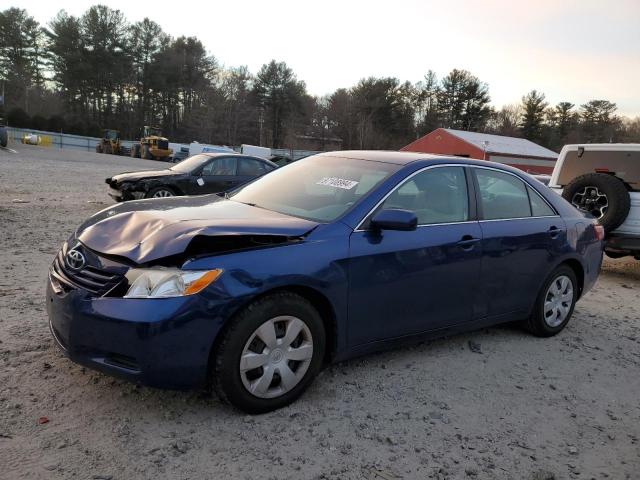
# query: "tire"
[[602, 195], [135, 151], [4, 137], [108, 149], [160, 192], [98, 148], [546, 322], [275, 313], [146, 154]]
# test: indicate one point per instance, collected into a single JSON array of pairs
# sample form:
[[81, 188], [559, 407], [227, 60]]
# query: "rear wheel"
[[601, 195], [135, 151], [4, 137], [555, 303], [269, 354], [160, 192]]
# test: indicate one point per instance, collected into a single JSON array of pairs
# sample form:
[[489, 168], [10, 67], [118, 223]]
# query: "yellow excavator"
[[110, 142], [152, 145]]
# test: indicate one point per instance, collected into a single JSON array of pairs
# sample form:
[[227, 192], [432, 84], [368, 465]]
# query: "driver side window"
[[220, 166], [436, 195]]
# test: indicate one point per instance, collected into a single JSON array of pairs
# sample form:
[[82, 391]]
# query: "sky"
[[571, 50]]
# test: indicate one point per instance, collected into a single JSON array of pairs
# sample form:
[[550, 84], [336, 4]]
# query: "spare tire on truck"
[[602, 195]]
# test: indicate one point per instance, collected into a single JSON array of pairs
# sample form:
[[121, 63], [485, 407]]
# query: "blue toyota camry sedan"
[[330, 257]]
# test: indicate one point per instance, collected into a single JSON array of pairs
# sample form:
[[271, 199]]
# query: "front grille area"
[[91, 279], [163, 144]]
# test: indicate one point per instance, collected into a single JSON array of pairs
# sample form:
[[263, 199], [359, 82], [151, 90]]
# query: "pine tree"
[[533, 115]]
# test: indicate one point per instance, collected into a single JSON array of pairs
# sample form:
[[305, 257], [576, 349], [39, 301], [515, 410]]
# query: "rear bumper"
[[162, 343], [592, 263], [623, 243]]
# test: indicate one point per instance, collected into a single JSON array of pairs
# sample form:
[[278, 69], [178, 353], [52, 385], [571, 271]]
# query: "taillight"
[[599, 229]]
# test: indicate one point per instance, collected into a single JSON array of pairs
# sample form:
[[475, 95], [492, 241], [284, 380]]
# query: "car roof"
[[420, 159], [237, 154], [399, 158], [405, 158]]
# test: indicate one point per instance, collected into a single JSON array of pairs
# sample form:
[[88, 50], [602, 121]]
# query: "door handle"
[[554, 231], [467, 242]]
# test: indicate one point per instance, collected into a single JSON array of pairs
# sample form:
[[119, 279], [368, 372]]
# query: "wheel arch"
[[578, 269], [148, 186], [319, 301]]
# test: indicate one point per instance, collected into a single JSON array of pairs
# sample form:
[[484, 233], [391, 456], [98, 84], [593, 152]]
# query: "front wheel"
[[555, 303], [269, 354], [160, 192]]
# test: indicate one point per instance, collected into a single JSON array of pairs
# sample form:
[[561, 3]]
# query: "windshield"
[[318, 188], [151, 132], [188, 165]]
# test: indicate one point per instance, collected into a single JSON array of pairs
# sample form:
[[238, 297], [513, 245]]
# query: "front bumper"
[[162, 343], [123, 192], [125, 195]]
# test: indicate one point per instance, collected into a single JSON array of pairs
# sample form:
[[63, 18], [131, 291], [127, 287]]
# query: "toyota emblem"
[[75, 259]]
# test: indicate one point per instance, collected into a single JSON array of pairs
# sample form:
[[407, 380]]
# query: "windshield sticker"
[[337, 183]]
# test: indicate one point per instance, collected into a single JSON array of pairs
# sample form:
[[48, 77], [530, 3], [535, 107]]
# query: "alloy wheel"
[[162, 194], [558, 301], [276, 357], [591, 200]]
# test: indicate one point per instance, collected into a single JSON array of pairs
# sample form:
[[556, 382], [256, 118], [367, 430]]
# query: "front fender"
[[319, 263]]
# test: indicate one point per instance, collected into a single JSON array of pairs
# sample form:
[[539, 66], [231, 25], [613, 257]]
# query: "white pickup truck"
[[604, 180]]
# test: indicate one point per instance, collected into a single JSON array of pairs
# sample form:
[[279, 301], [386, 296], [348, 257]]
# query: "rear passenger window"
[[539, 207], [220, 166], [502, 195], [437, 195], [251, 168]]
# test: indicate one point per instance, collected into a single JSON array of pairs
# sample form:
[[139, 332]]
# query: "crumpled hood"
[[147, 230], [134, 176]]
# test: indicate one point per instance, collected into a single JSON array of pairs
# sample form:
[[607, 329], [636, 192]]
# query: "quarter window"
[[502, 195], [436, 195], [539, 207]]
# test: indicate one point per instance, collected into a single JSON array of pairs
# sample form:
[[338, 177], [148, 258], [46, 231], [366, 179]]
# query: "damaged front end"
[[105, 275], [125, 191], [121, 241]]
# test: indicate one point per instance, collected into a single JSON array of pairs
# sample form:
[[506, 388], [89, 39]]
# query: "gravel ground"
[[496, 403]]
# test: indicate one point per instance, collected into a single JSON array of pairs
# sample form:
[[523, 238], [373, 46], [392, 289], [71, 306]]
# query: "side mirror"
[[394, 219]]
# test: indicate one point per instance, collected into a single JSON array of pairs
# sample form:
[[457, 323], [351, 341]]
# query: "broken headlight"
[[168, 282]]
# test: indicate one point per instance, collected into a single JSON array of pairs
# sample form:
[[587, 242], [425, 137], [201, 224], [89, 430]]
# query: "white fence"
[[59, 140], [78, 142]]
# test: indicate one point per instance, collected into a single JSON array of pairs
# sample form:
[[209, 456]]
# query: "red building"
[[517, 152]]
